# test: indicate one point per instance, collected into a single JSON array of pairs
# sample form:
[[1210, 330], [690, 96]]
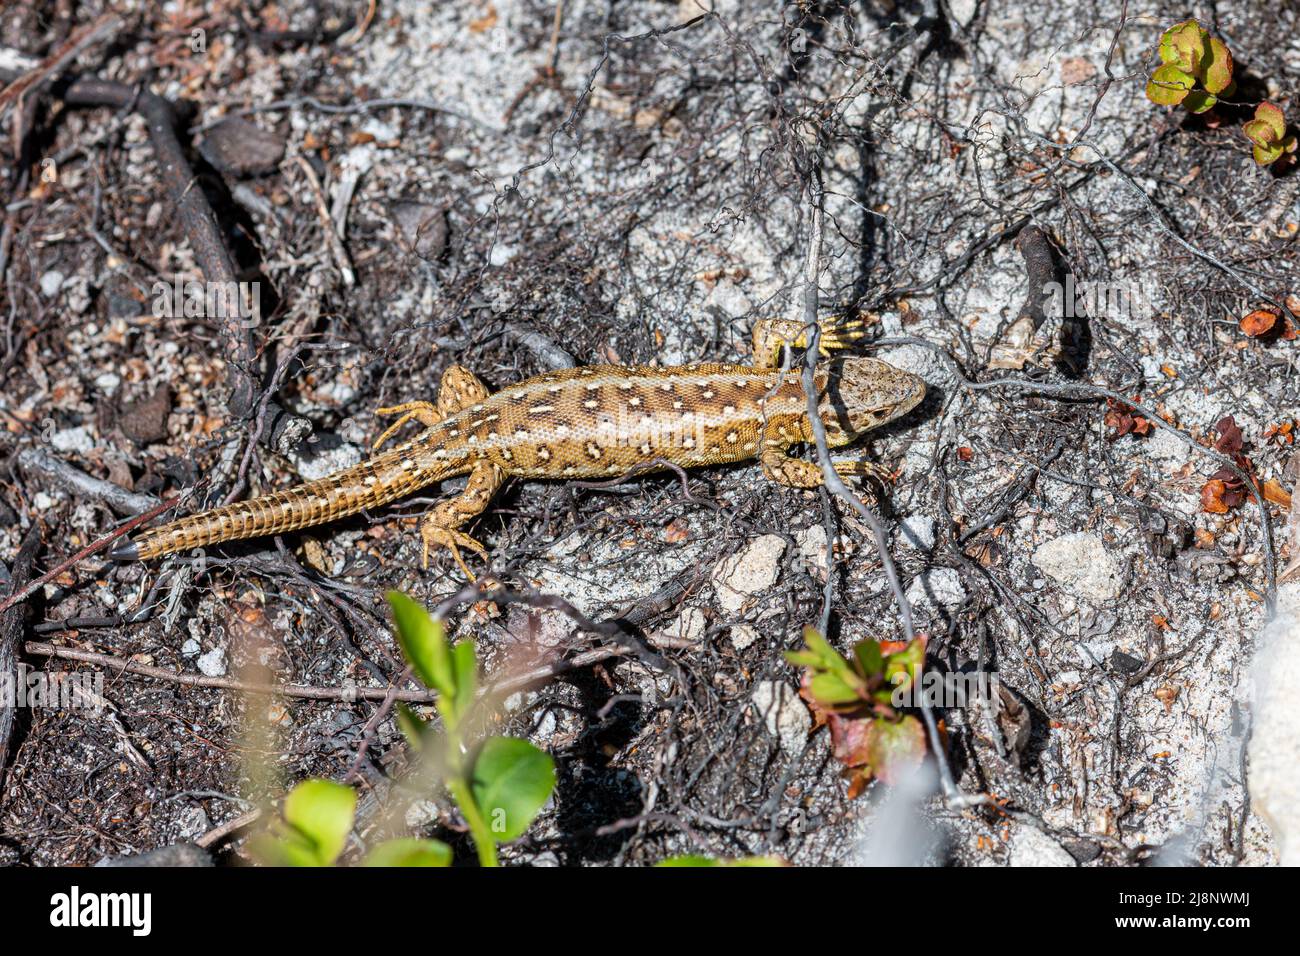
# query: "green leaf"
[[1169, 86], [1267, 154], [409, 851], [1183, 46], [895, 748], [829, 659], [287, 850], [1218, 66], [464, 665], [803, 658], [830, 689], [1274, 117], [870, 659], [512, 781], [1198, 101], [424, 643], [321, 812], [412, 726], [901, 669], [689, 860], [1258, 132]]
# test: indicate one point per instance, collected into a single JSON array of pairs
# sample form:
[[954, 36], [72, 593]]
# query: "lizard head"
[[864, 393]]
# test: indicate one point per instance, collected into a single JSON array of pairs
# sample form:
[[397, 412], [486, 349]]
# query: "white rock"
[[1032, 847], [812, 547], [213, 663], [918, 531], [1081, 565], [689, 626], [193, 822], [51, 283], [783, 713], [1166, 446], [1274, 775], [743, 635], [190, 647], [421, 813], [963, 11], [327, 462], [72, 439], [107, 382], [941, 587], [748, 572]]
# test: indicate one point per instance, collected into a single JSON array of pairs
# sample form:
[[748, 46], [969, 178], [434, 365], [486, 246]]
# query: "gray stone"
[[1080, 564]]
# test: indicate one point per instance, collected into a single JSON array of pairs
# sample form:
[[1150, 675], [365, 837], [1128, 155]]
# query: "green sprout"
[[855, 697], [500, 784], [1267, 131], [314, 826], [1197, 69]]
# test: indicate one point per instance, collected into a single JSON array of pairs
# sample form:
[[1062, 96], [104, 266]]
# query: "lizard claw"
[[433, 535], [862, 469], [841, 334], [425, 412]]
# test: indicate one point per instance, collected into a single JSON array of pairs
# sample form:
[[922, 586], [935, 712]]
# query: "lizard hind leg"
[[459, 389], [441, 528], [424, 412]]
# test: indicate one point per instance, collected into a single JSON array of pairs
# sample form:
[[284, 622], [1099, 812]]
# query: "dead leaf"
[[1275, 493], [1259, 322], [1212, 497], [677, 531], [486, 22]]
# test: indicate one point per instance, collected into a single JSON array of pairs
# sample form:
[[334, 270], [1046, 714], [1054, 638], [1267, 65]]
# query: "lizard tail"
[[370, 484]]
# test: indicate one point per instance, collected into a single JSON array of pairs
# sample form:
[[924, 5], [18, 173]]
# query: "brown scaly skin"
[[599, 421]]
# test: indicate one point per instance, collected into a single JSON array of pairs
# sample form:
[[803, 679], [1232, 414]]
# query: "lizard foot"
[[426, 413], [436, 536], [864, 469], [840, 334]]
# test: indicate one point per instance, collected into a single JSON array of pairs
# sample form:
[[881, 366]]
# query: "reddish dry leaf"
[[486, 22], [677, 531], [965, 454], [1212, 497], [1259, 322], [1124, 420], [1275, 493], [1282, 432], [1230, 440]]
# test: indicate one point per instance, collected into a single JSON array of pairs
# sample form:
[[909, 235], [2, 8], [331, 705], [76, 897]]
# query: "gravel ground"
[[629, 182]]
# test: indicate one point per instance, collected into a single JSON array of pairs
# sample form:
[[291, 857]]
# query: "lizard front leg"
[[771, 335], [797, 473], [779, 467], [459, 389], [441, 528]]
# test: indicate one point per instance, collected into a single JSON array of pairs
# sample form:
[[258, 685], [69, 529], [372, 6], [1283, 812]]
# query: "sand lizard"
[[598, 421]]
